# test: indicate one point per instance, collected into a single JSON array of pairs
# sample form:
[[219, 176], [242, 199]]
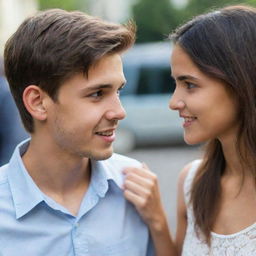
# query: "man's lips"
[[106, 132], [107, 135]]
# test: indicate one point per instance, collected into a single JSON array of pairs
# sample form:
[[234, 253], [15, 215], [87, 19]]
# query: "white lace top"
[[242, 243]]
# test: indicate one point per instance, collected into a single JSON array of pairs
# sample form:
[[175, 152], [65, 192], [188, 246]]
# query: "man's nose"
[[116, 111]]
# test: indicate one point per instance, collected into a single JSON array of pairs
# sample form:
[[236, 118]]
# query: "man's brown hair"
[[53, 45]]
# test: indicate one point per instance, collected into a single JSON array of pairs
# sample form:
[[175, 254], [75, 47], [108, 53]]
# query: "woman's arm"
[[141, 188]]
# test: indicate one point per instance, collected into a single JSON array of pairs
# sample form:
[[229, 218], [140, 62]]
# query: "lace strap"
[[189, 179]]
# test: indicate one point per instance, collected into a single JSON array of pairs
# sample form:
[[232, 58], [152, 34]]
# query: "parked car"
[[149, 120], [12, 131]]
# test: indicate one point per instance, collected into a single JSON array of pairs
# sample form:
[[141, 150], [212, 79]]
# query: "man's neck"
[[62, 177]]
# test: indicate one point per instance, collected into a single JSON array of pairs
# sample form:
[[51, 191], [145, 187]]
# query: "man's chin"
[[102, 155]]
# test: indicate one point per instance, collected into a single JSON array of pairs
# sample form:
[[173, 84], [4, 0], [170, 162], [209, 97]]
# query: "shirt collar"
[[101, 175], [26, 194]]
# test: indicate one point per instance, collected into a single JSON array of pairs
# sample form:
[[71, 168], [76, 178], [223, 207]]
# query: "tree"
[[154, 19], [196, 7], [63, 4]]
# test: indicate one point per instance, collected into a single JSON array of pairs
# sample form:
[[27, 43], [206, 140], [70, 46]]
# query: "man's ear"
[[33, 98]]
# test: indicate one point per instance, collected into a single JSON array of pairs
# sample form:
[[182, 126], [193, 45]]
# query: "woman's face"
[[207, 107]]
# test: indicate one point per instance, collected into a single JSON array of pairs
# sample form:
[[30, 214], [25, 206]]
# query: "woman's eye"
[[190, 85]]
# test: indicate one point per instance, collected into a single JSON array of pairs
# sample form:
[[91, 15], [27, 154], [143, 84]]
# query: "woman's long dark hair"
[[222, 44]]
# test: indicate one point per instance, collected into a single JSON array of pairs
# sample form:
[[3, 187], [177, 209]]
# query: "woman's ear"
[[33, 98]]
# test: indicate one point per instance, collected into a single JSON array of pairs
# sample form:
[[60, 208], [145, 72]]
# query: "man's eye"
[[190, 85], [120, 89], [96, 94]]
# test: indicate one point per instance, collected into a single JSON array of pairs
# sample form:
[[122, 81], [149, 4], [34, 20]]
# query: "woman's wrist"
[[159, 230], [158, 224]]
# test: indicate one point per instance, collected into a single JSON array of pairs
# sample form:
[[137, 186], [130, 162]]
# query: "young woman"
[[214, 65]]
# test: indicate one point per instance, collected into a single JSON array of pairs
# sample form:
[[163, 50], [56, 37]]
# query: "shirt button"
[[76, 225], [102, 184], [94, 200], [86, 246]]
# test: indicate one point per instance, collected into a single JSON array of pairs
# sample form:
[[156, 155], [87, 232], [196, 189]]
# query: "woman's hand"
[[141, 189]]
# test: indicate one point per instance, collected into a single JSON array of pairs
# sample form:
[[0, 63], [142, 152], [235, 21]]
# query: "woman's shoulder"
[[186, 177], [189, 170]]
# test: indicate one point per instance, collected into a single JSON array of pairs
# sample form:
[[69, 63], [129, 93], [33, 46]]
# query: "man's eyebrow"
[[99, 86], [96, 87]]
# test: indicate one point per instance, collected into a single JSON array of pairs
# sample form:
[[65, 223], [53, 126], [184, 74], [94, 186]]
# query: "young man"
[[61, 193]]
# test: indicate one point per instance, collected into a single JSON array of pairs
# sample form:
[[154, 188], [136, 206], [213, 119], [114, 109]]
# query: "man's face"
[[83, 121]]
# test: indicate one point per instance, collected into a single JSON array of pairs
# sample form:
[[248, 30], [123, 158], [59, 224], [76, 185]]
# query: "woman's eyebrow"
[[186, 77]]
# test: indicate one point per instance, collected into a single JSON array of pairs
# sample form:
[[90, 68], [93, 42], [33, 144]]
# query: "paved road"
[[166, 163]]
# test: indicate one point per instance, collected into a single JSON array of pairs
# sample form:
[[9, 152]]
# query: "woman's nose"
[[176, 103]]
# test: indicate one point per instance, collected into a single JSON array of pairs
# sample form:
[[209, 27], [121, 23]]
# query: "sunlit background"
[[155, 19]]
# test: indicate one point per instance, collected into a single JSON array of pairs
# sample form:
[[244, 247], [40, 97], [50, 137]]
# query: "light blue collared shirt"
[[33, 224]]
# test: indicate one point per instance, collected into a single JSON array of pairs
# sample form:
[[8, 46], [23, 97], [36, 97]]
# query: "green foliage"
[[156, 19], [251, 2], [63, 4], [196, 7]]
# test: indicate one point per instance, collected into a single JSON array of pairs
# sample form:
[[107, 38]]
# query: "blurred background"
[[151, 132]]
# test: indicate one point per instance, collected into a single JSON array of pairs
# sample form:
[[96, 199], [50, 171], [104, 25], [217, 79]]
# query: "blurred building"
[[112, 10], [12, 13], [119, 10]]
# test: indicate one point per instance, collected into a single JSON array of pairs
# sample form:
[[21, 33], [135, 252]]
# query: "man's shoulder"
[[116, 164], [122, 161], [3, 173]]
